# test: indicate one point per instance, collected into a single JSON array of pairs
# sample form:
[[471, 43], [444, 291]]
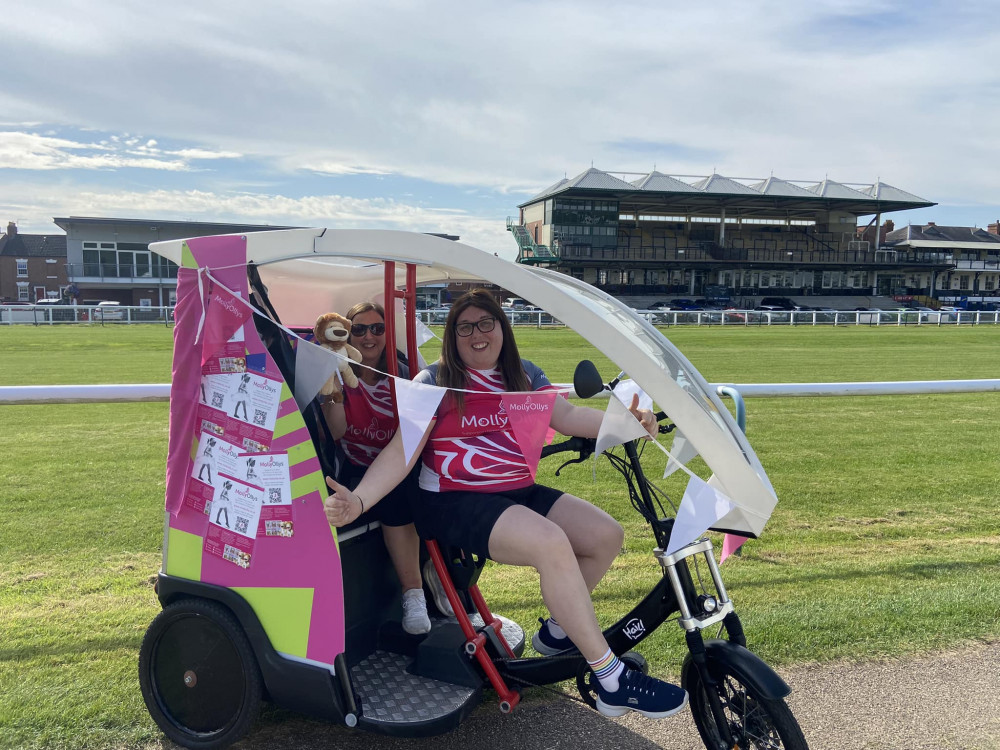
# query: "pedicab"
[[263, 600]]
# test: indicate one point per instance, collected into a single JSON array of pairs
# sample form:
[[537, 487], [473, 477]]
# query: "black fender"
[[744, 664]]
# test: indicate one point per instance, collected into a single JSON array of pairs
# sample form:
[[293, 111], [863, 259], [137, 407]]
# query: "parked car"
[[681, 304], [777, 303], [108, 310]]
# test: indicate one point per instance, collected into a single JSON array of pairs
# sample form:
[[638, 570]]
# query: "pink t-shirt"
[[371, 420], [475, 450]]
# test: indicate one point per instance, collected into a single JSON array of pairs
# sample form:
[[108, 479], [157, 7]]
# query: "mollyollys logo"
[[229, 305], [634, 629]]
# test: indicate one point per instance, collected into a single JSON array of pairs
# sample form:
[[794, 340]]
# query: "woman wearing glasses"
[[477, 493], [364, 423]]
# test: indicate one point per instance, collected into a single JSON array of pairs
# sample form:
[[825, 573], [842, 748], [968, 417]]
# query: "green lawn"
[[885, 540]]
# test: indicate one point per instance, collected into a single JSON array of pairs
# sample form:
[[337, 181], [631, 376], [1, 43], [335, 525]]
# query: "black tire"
[[756, 722], [199, 676], [586, 682]]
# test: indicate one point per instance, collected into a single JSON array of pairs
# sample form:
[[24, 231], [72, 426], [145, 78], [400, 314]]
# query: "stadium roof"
[[693, 195]]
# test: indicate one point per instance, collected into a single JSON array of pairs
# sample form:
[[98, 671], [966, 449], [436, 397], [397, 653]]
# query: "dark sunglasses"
[[485, 325], [358, 329]]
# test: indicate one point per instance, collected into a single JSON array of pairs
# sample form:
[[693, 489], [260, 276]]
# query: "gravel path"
[[938, 702]]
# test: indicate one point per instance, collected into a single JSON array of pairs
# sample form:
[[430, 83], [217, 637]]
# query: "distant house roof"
[[694, 195], [932, 235], [33, 245]]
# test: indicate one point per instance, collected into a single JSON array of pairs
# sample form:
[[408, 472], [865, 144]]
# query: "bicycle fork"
[[699, 612]]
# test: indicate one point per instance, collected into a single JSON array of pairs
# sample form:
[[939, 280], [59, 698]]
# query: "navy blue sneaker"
[[547, 644], [653, 698]]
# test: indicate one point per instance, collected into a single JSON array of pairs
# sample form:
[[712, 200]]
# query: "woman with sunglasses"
[[364, 423], [477, 492]]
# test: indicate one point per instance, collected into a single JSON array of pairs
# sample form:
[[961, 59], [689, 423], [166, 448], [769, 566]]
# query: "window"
[[602, 277], [22, 268], [22, 291], [963, 282], [145, 302]]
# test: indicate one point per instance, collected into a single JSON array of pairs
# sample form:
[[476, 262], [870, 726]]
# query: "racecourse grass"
[[885, 541]]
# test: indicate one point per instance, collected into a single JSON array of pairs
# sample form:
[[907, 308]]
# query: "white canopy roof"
[[310, 270]]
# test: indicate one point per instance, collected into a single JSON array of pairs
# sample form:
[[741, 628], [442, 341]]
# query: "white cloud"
[[511, 96]]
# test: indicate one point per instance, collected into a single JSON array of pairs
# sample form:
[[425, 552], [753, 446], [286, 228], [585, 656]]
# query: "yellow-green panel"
[[289, 423], [184, 554], [310, 483], [284, 613], [187, 257], [301, 452]]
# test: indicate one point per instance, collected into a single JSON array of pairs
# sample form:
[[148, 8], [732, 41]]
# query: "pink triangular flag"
[[529, 415], [731, 543], [416, 404], [224, 316]]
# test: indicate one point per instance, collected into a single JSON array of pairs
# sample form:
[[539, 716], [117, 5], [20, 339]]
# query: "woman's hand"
[[646, 418], [343, 506]]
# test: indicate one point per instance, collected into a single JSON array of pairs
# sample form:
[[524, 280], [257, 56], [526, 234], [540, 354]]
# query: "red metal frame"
[[508, 698]]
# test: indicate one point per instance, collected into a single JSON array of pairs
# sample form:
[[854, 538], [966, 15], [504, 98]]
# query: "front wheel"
[[755, 722]]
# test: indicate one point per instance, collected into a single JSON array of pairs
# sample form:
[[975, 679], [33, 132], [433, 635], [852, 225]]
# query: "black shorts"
[[395, 509], [466, 519]]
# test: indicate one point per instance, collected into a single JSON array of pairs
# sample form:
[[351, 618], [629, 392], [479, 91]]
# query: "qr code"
[[259, 416], [241, 524], [274, 494], [216, 399]]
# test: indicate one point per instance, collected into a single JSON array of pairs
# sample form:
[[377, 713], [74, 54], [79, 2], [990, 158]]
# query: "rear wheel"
[[198, 675], [755, 722]]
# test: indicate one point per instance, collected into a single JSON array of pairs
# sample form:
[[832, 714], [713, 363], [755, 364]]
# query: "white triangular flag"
[[618, 426], [681, 451], [701, 507], [416, 404], [424, 334], [313, 367], [626, 388]]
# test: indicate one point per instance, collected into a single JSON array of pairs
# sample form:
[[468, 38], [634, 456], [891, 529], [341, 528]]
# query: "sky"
[[444, 116]]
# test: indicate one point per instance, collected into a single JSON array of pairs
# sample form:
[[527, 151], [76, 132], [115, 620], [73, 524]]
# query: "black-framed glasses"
[[485, 325], [358, 329]]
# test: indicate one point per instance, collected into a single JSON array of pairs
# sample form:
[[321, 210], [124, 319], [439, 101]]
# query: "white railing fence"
[[44, 315], [74, 394]]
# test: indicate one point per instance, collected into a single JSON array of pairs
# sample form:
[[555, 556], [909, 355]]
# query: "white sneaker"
[[437, 589], [415, 619]]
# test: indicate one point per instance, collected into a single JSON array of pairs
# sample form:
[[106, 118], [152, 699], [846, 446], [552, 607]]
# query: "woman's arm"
[[387, 470], [583, 421], [336, 418]]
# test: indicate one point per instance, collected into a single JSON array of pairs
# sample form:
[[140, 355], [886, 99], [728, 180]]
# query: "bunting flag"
[[701, 507], [225, 314], [528, 415], [681, 451], [618, 426], [416, 404], [313, 367], [730, 544], [626, 388]]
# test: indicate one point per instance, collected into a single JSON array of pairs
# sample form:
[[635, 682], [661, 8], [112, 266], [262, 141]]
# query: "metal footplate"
[[396, 701], [389, 694]]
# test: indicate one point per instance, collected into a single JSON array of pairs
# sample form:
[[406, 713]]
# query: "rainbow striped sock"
[[607, 669]]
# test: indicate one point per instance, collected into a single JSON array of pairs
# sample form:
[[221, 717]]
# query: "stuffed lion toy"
[[332, 331]]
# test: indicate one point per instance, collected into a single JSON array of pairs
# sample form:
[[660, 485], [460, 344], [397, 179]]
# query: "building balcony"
[[977, 265], [117, 274]]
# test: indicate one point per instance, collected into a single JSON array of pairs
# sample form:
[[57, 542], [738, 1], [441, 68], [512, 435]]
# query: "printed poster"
[[214, 457], [271, 471], [234, 516], [243, 406]]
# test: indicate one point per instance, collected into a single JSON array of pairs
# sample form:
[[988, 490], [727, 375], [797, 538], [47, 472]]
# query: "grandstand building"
[[725, 238]]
